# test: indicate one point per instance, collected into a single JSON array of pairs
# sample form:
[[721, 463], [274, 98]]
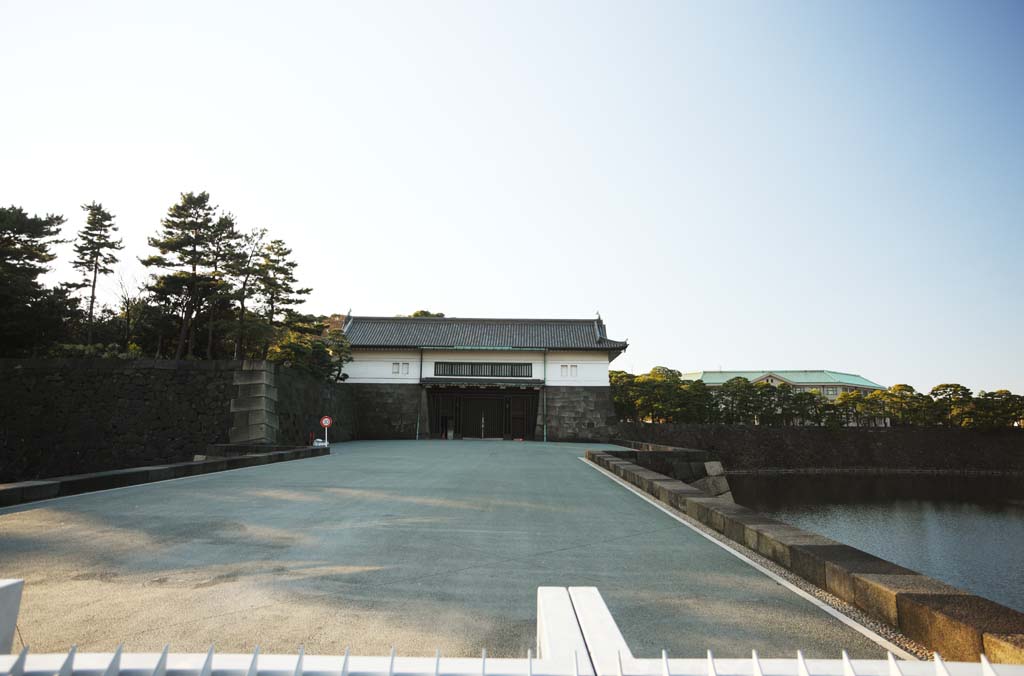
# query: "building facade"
[[829, 383], [448, 377]]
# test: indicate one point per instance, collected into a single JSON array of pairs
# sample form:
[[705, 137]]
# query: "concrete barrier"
[[950, 621], [30, 491]]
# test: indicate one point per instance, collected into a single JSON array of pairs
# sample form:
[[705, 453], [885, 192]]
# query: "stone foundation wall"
[[71, 416], [386, 411], [77, 416], [699, 469], [746, 448], [577, 414], [302, 400], [277, 405], [947, 620]]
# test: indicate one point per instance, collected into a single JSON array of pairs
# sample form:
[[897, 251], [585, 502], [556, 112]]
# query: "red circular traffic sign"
[[326, 421]]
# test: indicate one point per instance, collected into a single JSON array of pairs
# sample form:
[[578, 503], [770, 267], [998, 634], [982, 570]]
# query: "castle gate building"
[[455, 378]]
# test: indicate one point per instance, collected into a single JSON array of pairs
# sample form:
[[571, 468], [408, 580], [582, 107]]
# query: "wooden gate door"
[[482, 417], [494, 420]]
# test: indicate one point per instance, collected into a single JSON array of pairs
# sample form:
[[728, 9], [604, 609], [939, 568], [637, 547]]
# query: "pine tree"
[[222, 248], [183, 242], [30, 312], [94, 251], [244, 269], [277, 282]]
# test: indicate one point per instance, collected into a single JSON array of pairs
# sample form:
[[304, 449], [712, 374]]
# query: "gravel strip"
[[883, 629]]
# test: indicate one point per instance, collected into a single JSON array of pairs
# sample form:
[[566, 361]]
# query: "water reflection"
[[967, 531]]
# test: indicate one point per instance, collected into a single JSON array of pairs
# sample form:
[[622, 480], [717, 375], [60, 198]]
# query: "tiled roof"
[[795, 377], [554, 334]]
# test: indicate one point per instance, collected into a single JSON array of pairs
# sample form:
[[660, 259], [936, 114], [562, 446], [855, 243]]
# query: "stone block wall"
[[277, 405], [302, 400], [254, 417], [944, 619], [695, 468], [577, 414], [71, 416], [386, 411], [76, 416], [748, 448]]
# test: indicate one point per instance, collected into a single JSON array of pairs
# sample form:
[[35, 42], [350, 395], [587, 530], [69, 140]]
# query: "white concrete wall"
[[591, 368]]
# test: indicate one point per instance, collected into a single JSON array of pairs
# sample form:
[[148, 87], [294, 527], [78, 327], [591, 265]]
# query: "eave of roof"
[[451, 333]]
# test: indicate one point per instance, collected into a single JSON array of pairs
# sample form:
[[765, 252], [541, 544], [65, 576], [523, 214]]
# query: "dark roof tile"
[[560, 334]]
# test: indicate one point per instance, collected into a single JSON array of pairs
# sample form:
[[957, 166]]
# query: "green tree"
[[32, 314], [765, 405], [808, 408], [737, 401], [244, 269], [1000, 408], [899, 402], [848, 407], [426, 313], [222, 250], [702, 406], [623, 395], [659, 397], [922, 410], [94, 253], [277, 284], [953, 402], [875, 407], [183, 243], [784, 402], [311, 346]]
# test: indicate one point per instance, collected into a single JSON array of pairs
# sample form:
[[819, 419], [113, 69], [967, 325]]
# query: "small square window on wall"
[[405, 368], [565, 370], [573, 370], [394, 367]]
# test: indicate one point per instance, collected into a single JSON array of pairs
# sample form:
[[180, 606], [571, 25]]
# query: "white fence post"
[[558, 632], [608, 649], [10, 602]]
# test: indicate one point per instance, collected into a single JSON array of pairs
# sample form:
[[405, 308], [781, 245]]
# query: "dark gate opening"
[[480, 413]]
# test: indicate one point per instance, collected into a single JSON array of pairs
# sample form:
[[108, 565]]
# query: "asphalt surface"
[[415, 545]]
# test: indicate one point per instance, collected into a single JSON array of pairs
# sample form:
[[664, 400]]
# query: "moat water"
[[965, 531]]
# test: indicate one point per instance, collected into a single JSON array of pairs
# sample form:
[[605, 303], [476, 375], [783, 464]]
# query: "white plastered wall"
[[378, 367], [591, 368]]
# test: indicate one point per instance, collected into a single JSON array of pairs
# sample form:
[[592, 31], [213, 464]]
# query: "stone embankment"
[[69, 416], [700, 469], [950, 621], [753, 448], [30, 491]]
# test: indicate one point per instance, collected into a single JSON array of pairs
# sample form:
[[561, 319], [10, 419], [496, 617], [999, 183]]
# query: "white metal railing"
[[576, 636]]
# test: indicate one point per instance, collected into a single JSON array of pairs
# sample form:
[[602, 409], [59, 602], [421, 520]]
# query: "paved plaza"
[[414, 545]]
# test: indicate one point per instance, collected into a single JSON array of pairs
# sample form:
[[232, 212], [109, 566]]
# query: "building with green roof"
[[829, 383]]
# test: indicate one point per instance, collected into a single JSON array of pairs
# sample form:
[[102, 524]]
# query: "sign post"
[[325, 422]]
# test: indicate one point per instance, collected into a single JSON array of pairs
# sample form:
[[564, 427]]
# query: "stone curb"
[[30, 491], [952, 622]]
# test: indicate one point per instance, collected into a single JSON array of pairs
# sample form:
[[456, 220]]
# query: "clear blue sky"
[[732, 184]]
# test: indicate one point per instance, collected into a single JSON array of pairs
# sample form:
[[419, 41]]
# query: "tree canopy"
[[662, 396], [33, 316], [214, 291], [94, 252]]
